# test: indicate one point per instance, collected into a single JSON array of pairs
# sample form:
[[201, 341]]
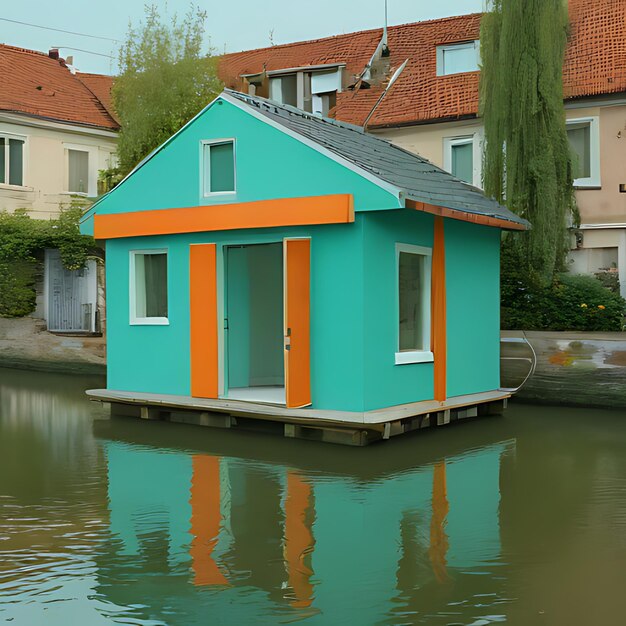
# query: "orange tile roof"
[[100, 85], [34, 84], [595, 64]]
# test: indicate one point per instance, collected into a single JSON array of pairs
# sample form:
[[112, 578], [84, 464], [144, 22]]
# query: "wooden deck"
[[351, 428]]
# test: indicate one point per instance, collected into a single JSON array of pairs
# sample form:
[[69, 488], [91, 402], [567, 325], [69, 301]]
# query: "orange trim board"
[[438, 313], [473, 218], [297, 322], [332, 209], [203, 320]]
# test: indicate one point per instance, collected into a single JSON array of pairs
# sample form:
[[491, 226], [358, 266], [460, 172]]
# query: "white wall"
[[46, 162]]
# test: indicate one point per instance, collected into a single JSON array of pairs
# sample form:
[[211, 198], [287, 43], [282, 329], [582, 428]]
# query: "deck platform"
[[344, 427]]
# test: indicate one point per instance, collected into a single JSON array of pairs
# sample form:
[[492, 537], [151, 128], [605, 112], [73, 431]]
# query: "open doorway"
[[255, 369]]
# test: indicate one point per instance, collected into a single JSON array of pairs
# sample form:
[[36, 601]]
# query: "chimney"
[[53, 53]]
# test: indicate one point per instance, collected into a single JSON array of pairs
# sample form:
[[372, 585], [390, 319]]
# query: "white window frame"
[[299, 73], [24, 140], [469, 45], [425, 355], [204, 192], [594, 151], [146, 321], [92, 169], [477, 154]]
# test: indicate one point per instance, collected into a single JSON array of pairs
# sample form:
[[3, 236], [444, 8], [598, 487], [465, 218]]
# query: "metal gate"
[[71, 295]]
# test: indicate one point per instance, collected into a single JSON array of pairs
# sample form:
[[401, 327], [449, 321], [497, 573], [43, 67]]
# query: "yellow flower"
[[601, 306], [583, 306]]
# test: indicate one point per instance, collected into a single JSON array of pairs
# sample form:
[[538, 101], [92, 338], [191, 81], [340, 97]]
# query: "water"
[[517, 520]]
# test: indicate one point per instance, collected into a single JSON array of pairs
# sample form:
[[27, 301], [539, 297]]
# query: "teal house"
[[268, 262]]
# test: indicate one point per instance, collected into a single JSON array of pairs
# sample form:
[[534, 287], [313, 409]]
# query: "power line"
[[99, 54], [58, 30]]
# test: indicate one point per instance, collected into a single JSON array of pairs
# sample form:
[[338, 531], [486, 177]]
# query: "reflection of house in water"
[[225, 534]]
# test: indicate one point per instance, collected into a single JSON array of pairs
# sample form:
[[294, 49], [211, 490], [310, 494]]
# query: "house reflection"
[[296, 543]]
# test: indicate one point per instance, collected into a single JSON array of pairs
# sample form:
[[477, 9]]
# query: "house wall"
[[46, 163], [473, 308], [157, 358]]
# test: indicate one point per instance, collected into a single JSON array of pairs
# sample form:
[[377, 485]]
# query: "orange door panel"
[[297, 322], [203, 322]]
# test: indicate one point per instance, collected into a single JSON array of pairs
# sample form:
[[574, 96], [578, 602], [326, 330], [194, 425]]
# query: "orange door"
[[297, 286], [203, 322]]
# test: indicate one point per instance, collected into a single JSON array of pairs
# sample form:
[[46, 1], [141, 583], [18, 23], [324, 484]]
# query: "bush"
[[21, 239], [569, 303]]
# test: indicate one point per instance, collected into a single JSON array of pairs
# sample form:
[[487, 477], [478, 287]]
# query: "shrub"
[[21, 239], [569, 303]]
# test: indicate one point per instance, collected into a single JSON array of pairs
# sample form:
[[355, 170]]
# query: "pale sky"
[[231, 26]]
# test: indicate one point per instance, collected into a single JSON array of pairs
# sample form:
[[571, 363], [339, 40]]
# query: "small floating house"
[[267, 263]]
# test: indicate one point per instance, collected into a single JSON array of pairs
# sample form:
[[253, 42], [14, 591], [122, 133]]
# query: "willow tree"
[[167, 75], [527, 162]]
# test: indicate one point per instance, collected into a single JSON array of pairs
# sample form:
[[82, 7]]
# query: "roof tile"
[[595, 64], [34, 84]]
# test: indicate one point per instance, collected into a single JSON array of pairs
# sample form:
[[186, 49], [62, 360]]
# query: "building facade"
[[417, 85], [56, 135]]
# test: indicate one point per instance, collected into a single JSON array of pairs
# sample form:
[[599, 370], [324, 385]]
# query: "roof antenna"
[[385, 50]]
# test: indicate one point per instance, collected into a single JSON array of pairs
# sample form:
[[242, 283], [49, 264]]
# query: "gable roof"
[[412, 176], [595, 64], [35, 84]]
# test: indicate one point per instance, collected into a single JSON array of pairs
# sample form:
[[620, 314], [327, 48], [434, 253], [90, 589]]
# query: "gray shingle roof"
[[416, 177]]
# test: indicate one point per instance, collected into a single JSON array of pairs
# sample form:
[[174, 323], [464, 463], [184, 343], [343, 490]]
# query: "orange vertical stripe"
[[438, 305], [299, 540], [438, 538], [297, 322], [205, 519], [203, 312]]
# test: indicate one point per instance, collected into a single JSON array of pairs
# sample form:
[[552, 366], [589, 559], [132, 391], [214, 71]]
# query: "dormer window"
[[313, 90], [458, 58], [218, 167]]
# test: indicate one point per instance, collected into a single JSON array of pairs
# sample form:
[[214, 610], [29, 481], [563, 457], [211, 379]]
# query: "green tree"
[[165, 79], [527, 162]]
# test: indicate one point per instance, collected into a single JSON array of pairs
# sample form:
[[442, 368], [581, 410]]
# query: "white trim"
[[414, 356], [379, 182], [461, 140], [92, 169], [594, 180], [304, 68], [602, 226], [216, 194], [132, 289], [36, 122], [469, 45], [424, 355]]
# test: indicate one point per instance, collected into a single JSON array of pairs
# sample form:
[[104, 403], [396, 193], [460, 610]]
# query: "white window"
[[413, 280], [458, 58], [81, 169], [218, 167], [11, 160], [584, 140], [462, 157], [148, 287], [78, 171], [312, 91]]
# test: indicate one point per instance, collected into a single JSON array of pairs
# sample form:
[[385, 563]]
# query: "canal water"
[[518, 519]]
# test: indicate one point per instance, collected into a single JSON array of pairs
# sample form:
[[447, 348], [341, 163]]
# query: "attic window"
[[218, 167], [458, 58], [313, 91]]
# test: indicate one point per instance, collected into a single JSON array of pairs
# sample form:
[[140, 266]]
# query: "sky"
[[231, 26]]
